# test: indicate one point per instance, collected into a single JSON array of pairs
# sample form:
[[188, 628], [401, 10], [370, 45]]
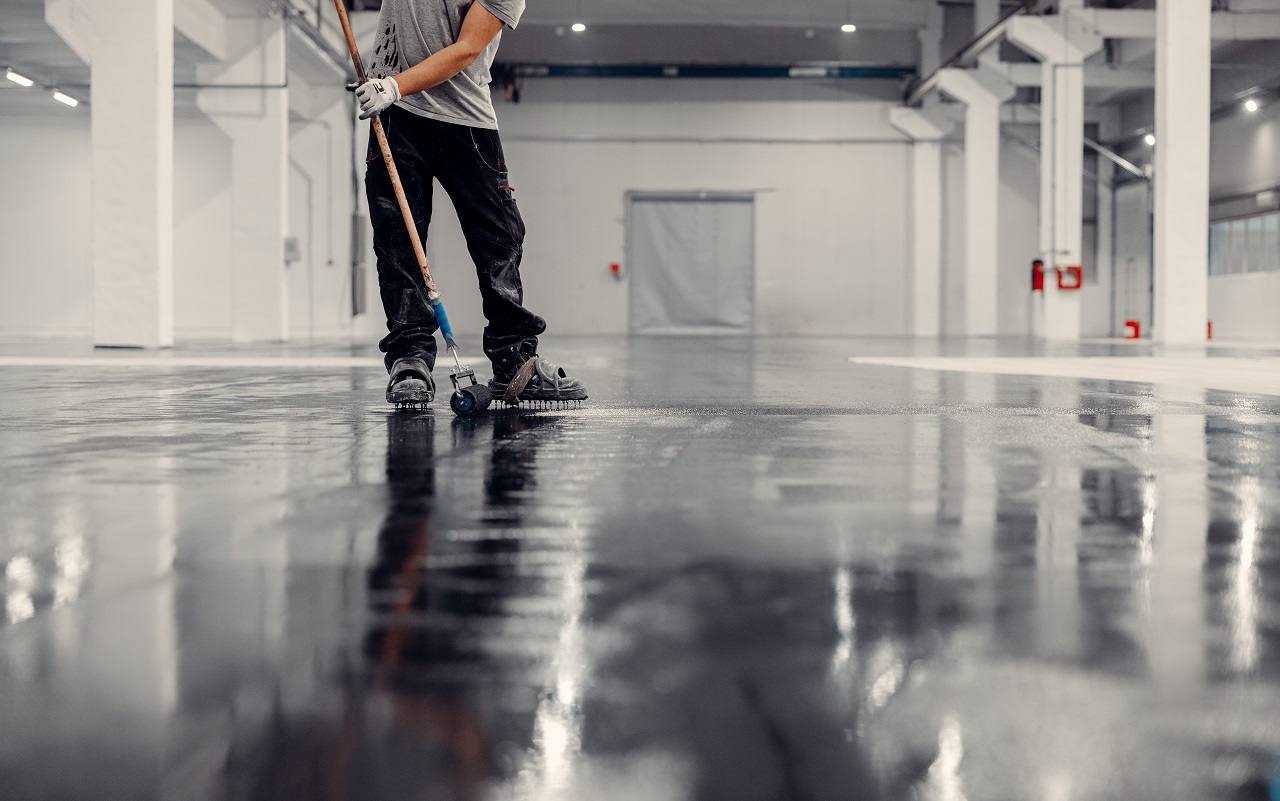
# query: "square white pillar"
[[1062, 50], [926, 218], [1183, 63], [981, 198], [131, 105]]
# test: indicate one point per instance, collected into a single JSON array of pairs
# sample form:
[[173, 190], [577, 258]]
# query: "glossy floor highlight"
[[749, 570]]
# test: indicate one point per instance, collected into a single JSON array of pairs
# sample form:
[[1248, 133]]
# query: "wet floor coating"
[[748, 570]]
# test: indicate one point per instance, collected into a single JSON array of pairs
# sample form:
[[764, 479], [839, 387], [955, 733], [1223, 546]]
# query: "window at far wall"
[[1245, 245]]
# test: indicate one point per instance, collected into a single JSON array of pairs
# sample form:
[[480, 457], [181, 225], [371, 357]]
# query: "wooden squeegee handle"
[[381, 134]]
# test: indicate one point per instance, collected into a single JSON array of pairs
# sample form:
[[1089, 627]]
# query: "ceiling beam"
[[792, 14], [1095, 77], [203, 24], [1139, 24]]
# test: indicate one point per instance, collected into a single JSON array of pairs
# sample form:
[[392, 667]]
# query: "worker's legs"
[[472, 169], [411, 323]]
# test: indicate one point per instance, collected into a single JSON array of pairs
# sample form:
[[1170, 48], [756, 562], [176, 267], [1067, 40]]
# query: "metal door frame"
[[647, 196]]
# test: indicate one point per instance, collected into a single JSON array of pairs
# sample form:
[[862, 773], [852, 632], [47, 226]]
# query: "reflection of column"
[[1239, 600], [978, 512], [981, 194], [1117, 534], [132, 644], [130, 48], [1181, 521], [1058, 542], [257, 121], [966, 479], [924, 434]]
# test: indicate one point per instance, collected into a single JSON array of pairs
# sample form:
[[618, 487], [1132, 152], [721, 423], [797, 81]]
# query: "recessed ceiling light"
[[1150, 139], [848, 27], [66, 100], [579, 27], [20, 80], [1250, 105]]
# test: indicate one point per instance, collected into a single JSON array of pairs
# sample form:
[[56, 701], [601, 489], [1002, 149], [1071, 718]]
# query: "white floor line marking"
[[213, 362], [1250, 375]]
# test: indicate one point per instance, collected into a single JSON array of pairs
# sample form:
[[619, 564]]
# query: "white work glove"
[[377, 96]]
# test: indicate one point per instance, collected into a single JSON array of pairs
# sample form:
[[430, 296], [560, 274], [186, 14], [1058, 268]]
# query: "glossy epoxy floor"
[[748, 570]]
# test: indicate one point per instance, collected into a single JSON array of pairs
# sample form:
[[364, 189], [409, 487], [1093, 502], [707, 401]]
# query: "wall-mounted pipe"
[[1115, 158]]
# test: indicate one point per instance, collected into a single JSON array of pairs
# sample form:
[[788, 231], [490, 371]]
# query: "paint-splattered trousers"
[[469, 165]]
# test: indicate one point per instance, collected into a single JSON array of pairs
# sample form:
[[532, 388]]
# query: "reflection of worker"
[[431, 65], [410, 731]]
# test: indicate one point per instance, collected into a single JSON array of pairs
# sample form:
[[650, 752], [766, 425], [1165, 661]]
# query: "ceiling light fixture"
[[1150, 139], [579, 27], [848, 27], [1250, 105], [66, 100], [20, 80]]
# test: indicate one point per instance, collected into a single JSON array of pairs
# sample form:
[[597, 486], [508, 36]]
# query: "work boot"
[[537, 380], [411, 383]]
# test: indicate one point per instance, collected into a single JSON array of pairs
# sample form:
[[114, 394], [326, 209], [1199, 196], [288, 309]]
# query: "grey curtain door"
[[692, 264]]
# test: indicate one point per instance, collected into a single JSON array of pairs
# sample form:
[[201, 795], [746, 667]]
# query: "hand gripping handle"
[[381, 135]]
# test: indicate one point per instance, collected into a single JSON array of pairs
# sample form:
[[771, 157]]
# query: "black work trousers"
[[469, 164]]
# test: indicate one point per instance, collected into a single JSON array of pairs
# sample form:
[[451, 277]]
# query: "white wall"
[[45, 234], [1244, 306], [202, 274], [45, 269], [832, 217], [320, 214]]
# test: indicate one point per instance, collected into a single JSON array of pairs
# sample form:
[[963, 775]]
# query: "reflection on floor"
[[749, 570]]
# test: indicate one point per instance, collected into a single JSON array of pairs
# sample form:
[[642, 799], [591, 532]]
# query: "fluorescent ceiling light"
[[65, 99], [848, 27], [1151, 139], [20, 80], [579, 27], [1251, 105]]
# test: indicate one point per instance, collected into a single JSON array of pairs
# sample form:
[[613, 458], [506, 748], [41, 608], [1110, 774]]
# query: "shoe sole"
[[499, 390], [411, 393]]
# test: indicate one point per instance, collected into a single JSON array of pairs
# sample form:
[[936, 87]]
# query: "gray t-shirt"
[[409, 31]]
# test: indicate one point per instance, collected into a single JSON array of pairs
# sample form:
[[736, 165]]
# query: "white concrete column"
[[1095, 317], [1183, 60], [1062, 57], [1098, 316], [926, 218], [129, 47], [257, 122], [981, 195]]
